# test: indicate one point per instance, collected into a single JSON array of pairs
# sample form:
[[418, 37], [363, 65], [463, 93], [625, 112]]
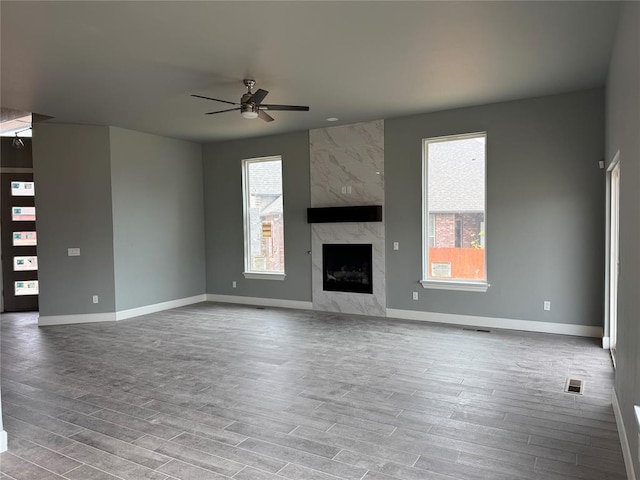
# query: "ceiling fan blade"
[[296, 108], [265, 116], [222, 111], [215, 99], [258, 96]]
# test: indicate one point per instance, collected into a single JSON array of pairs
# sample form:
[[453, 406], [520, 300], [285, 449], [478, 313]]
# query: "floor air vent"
[[574, 385]]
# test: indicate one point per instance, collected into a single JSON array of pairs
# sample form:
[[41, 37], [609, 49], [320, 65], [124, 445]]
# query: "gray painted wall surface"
[[545, 214], [223, 210], [73, 208], [623, 133], [158, 218]]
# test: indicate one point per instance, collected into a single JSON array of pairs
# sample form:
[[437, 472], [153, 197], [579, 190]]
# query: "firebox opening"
[[347, 268]]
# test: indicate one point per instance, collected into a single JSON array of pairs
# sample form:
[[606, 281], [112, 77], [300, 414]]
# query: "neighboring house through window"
[[263, 218], [454, 235]]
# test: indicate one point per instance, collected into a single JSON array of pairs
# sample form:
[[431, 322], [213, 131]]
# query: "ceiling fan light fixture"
[[249, 114], [249, 111]]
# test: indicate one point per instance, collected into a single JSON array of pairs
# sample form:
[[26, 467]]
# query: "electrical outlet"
[[415, 295], [95, 299], [348, 188], [396, 246], [73, 252], [546, 305], [233, 284], [344, 189]]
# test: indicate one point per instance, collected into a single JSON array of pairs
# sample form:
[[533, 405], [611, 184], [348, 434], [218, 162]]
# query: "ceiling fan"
[[251, 105]]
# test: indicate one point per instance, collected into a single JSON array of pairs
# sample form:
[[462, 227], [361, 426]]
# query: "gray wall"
[[545, 213], [158, 218], [223, 210], [73, 207], [623, 133]]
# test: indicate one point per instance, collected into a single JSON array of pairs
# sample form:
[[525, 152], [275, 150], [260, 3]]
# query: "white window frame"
[[460, 285], [246, 197]]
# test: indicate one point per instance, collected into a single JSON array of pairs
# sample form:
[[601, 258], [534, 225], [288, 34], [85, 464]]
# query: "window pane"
[[23, 264], [455, 191], [29, 287], [264, 220], [22, 189], [21, 214], [24, 239]]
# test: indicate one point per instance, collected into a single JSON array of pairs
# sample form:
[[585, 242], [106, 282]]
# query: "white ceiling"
[[134, 64]]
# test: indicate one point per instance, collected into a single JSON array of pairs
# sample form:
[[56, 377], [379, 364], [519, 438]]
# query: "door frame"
[[612, 245]]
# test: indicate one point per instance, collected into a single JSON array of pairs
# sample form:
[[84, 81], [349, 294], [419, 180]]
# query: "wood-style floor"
[[215, 391]]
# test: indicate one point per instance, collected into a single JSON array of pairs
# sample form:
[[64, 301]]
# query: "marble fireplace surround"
[[350, 159]]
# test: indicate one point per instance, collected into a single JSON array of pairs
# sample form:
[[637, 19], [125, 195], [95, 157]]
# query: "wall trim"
[[606, 343], [3, 441], [266, 302], [158, 307], [503, 323], [622, 432], [44, 321]]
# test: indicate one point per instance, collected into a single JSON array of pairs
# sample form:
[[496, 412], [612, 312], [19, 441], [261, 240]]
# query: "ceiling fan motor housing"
[[249, 110]]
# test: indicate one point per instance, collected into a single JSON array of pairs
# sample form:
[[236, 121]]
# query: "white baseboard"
[[606, 343], [264, 302], [44, 321], [3, 441], [158, 307], [503, 323], [622, 432], [121, 315]]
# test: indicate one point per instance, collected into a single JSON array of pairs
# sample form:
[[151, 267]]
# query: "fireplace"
[[347, 268]]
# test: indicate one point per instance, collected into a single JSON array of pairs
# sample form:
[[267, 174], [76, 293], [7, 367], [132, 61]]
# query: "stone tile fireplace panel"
[[348, 156], [358, 303]]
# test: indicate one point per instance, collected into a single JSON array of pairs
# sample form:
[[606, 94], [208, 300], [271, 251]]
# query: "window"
[[22, 189], [22, 264], [29, 287], [454, 233], [458, 243], [22, 214], [263, 218], [23, 239]]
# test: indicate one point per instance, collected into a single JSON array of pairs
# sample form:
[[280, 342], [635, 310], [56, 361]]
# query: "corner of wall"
[[624, 440]]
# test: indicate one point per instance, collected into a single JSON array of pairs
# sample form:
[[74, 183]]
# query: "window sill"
[[453, 285], [263, 276]]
